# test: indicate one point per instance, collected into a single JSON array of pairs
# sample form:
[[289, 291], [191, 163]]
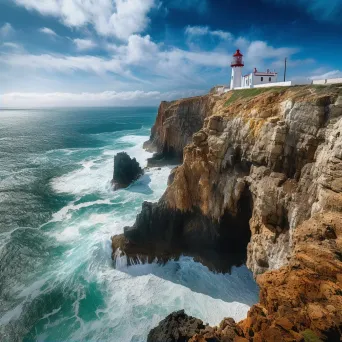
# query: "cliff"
[[261, 180], [176, 122]]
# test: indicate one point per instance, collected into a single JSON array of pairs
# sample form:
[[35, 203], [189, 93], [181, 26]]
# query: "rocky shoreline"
[[261, 176]]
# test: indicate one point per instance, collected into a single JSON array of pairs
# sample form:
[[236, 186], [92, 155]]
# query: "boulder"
[[126, 170], [177, 327]]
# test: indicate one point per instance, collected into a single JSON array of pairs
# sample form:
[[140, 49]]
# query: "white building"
[[253, 79], [259, 79]]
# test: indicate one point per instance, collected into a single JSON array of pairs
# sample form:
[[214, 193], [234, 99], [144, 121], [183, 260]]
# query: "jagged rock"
[[176, 122], [126, 170], [159, 232], [177, 327], [199, 138]]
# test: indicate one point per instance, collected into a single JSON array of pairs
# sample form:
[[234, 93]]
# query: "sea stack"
[[126, 171]]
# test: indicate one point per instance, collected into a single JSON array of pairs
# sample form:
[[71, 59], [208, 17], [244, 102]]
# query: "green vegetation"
[[327, 88], [299, 90], [310, 336], [252, 92]]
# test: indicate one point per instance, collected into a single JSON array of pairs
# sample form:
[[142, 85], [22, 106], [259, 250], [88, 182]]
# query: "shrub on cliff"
[[126, 170]]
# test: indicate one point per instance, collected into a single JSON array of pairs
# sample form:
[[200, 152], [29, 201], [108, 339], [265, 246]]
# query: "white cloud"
[[262, 56], [260, 49], [193, 31], [154, 63], [84, 44], [130, 17], [109, 98], [48, 31], [140, 51], [6, 30], [119, 18], [12, 45], [329, 74], [52, 63]]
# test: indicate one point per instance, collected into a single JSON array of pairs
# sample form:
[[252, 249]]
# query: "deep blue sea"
[[57, 214]]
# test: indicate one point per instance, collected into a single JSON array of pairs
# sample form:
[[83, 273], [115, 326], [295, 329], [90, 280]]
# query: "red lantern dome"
[[237, 59]]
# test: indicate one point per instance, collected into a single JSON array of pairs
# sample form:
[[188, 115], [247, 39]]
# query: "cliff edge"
[[261, 180]]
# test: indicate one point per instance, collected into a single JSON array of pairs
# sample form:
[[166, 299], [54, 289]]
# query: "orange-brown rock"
[[306, 293]]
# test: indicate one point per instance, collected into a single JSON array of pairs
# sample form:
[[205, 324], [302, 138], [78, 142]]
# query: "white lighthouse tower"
[[237, 65]]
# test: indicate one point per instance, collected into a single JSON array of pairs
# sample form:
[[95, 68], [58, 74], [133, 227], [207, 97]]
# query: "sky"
[[139, 52]]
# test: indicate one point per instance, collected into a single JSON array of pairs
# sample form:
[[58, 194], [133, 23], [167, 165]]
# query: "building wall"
[[274, 84], [328, 81], [239, 88], [301, 82], [266, 79], [247, 81]]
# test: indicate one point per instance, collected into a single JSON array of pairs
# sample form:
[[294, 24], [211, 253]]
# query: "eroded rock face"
[[126, 171], [279, 156], [176, 122], [282, 151], [164, 233]]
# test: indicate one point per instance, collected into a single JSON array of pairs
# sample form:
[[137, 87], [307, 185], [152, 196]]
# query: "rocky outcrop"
[[175, 124], [126, 170], [164, 233], [273, 160], [179, 327]]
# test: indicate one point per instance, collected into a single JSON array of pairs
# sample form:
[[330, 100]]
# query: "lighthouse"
[[237, 65]]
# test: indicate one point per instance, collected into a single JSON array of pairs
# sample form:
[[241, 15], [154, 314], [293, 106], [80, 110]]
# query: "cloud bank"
[[106, 98]]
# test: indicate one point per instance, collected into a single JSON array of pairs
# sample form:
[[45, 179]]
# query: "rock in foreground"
[[126, 170], [179, 327]]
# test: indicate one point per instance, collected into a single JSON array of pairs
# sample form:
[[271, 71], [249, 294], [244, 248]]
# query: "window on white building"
[[269, 80], [262, 79]]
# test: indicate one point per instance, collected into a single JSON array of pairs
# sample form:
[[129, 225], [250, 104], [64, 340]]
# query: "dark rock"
[[161, 159], [164, 233], [172, 176], [126, 170], [177, 327], [330, 233]]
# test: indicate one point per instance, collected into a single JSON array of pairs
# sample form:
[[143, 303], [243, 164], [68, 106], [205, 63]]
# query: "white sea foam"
[[136, 303], [94, 175]]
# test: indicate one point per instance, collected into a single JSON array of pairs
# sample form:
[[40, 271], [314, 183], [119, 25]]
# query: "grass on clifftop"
[[251, 92], [300, 90]]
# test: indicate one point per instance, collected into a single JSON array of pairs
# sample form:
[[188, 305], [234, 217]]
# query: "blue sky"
[[134, 52]]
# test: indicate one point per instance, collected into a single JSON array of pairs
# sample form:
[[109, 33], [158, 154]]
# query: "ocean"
[[57, 214]]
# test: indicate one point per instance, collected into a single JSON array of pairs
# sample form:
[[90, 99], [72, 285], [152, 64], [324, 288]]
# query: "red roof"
[[237, 53]]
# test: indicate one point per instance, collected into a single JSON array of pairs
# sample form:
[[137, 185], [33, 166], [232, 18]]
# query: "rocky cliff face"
[[262, 175], [176, 122]]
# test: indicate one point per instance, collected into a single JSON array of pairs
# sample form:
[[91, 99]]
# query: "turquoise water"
[[57, 214]]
